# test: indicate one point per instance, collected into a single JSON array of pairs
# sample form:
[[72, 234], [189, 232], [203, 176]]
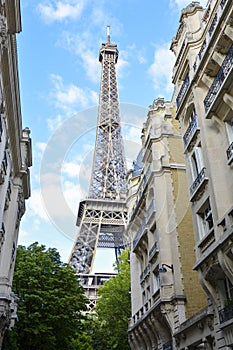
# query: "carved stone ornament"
[[21, 207], [191, 7], [157, 104]]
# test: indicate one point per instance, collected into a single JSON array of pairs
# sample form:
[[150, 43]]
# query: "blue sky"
[[59, 83]]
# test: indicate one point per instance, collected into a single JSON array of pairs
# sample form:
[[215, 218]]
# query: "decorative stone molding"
[[191, 8]]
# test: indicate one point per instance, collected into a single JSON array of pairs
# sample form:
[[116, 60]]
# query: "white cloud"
[[71, 169], [72, 194], [141, 58], [61, 10], [67, 95], [161, 69], [35, 207], [54, 123], [41, 146]]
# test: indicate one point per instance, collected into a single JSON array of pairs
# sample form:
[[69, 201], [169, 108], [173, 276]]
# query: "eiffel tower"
[[102, 216]]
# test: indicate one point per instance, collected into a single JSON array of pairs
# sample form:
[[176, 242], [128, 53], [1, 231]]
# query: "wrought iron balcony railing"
[[153, 251], [219, 79], [139, 233], [230, 153], [210, 32], [150, 211], [147, 176], [198, 181], [183, 90], [192, 128], [226, 314], [145, 273], [168, 346]]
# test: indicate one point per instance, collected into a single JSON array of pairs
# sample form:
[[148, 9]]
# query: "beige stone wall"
[[196, 298]]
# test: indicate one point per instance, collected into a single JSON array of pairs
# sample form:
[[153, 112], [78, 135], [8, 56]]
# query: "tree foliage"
[[113, 307], [50, 304]]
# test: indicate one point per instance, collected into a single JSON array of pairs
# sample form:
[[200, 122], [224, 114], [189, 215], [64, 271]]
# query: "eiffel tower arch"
[[102, 217]]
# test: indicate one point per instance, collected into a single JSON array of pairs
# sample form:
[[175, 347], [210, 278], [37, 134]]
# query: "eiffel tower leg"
[[85, 248]]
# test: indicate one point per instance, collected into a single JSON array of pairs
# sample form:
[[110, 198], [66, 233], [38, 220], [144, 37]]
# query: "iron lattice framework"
[[102, 216], [109, 169]]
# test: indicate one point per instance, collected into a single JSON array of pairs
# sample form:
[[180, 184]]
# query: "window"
[[1, 127], [229, 129], [192, 116], [226, 291], [205, 220], [196, 161], [156, 280]]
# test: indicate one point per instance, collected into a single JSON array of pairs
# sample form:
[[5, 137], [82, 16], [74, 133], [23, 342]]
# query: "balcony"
[[153, 252], [209, 34], [168, 346], [147, 176], [230, 154], [182, 91], [140, 191], [219, 79], [151, 212], [226, 322], [145, 273], [198, 184], [191, 132], [139, 233], [226, 314]]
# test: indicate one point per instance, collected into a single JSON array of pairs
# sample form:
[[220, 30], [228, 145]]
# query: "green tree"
[[113, 308], [50, 304]]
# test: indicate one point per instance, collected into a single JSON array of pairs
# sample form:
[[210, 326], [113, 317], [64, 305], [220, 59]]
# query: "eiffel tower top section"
[[108, 180]]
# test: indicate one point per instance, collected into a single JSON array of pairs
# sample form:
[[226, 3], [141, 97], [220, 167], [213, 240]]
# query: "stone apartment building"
[[165, 290], [15, 159], [169, 219], [203, 79]]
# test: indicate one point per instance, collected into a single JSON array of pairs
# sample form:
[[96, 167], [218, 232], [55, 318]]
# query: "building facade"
[[15, 159], [165, 291], [203, 78]]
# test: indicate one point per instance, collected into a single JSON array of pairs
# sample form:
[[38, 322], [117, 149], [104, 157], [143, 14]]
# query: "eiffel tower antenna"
[[102, 216], [108, 34]]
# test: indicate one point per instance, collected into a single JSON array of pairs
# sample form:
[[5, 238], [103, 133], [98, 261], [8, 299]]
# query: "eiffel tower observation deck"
[[102, 216]]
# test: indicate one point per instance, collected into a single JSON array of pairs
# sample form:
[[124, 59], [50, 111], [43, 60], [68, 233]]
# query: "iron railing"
[[168, 346], [198, 181], [219, 79], [139, 233], [213, 24], [226, 314], [182, 91], [230, 151], [150, 209], [203, 46], [145, 273], [153, 250], [193, 126], [211, 30], [222, 4]]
